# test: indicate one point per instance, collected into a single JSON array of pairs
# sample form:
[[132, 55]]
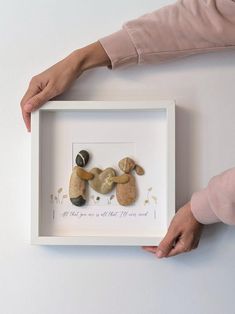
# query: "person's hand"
[[183, 235], [60, 76]]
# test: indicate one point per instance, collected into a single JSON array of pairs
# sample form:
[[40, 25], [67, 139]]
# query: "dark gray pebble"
[[78, 201], [82, 158]]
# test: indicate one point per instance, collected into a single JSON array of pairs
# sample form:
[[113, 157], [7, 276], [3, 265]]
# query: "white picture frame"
[[57, 134]]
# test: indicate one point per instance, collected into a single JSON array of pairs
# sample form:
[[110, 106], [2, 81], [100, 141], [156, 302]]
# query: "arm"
[[182, 29], [216, 203], [213, 204], [185, 28], [58, 78]]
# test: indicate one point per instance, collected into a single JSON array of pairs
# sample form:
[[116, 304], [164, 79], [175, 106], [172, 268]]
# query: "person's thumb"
[[166, 244], [38, 100]]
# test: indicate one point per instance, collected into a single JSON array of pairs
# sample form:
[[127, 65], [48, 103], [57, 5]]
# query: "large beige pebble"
[[126, 193], [102, 182], [77, 189]]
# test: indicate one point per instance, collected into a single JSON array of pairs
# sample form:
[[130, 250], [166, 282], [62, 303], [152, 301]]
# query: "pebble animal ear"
[[139, 170], [82, 158]]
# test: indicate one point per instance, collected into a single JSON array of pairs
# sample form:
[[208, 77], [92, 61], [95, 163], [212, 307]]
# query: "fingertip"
[[27, 123], [160, 253], [26, 118], [28, 107], [164, 248]]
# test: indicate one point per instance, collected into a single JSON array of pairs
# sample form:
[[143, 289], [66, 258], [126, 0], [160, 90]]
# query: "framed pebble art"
[[103, 172]]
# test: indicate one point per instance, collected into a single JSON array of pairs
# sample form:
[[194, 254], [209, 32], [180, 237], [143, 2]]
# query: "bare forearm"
[[89, 57]]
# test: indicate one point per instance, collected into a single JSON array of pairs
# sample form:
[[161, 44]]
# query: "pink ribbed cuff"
[[120, 49], [201, 208]]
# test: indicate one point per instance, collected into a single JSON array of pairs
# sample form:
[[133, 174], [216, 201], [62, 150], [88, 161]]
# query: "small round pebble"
[[139, 170], [82, 158]]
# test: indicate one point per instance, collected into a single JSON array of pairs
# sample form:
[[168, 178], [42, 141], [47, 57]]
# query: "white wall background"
[[110, 280]]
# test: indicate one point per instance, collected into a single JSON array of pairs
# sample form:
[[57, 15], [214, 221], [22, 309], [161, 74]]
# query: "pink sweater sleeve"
[[185, 28], [216, 202], [182, 29]]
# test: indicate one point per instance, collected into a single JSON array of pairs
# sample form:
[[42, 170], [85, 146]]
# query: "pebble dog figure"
[[126, 193], [77, 186]]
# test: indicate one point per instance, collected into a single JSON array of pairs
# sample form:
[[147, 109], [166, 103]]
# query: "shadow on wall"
[[210, 245], [187, 155], [149, 81]]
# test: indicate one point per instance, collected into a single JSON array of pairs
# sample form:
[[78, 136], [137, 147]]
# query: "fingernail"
[[28, 107], [159, 254]]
